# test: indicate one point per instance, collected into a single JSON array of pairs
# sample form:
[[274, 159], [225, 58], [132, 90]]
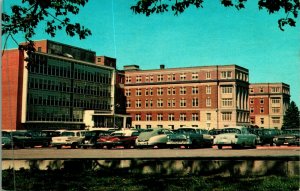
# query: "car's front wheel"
[[220, 146]]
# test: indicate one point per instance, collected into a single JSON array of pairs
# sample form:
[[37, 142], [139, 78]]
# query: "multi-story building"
[[204, 96], [64, 87], [268, 103]]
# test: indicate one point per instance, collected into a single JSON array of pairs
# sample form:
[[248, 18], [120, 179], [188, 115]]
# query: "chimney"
[[162, 66]]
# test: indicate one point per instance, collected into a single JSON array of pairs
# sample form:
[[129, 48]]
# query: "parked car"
[[125, 138], [6, 140], [71, 138], [236, 137], [265, 135], [31, 138], [288, 137], [90, 138], [155, 138], [190, 137]]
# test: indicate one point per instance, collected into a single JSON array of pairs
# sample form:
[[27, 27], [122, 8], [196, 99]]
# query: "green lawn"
[[56, 180]]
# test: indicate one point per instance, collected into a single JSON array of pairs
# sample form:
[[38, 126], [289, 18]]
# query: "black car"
[[266, 136], [90, 138], [288, 137], [32, 138]]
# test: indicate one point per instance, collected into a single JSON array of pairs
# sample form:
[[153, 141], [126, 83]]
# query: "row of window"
[[262, 100], [59, 68], [67, 102], [170, 103], [181, 77], [272, 90], [172, 91], [262, 110], [274, 120], [225, 116], [65, 86]]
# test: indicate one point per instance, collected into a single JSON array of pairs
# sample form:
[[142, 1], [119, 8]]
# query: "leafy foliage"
[[290, 7], [291, 117], [26, 17]]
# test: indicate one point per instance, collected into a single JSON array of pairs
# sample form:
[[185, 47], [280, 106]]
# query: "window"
[[262, 121], [169, 103], [194, 76], [138, 92], [251, 90], [174, 91], [226, 89], [151, 78], [183, 102], [208, 75], [148, 117], [159, 117], [208, 90], [195, 90], [169, 77], [261, 90], [275, 100], [173, 102], [226, 116], [151, 91], [208, 116], [160, 77], [138, 103], [227, 102], [261, 110], [146, 103], [182, 117], [276, 109], [226, 74], [138, 117], [147, 78], [195, 117], [251, 101], [182, 90], [160, 103], [276, 120], [146, 92], [160, 91], [150, 103], [138, 79], [251, 110], [208, 102], [261, 101], [275, 89], [127, 92], [169, 91], [182, 76], [171, 117], [128, 103], [195, 102], [173, 77], [128, 79]]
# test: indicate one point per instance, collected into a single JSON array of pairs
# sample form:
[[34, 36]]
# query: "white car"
[[156, 137], [68, 138], [236, 137]]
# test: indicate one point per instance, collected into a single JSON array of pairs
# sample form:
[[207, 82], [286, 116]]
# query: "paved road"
[[281, 153]]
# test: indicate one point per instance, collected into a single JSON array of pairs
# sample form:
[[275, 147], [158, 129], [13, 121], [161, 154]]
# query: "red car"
[[125, 138]]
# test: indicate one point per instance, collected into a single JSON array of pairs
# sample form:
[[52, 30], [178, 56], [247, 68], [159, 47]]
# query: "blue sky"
[[211, 36]]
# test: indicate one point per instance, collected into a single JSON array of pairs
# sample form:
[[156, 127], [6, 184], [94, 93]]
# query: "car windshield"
[[67, 133], [231, 130], [186, 131]]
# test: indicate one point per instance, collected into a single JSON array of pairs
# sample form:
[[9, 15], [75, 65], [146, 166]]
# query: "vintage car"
[[288, 137], [31, 138], [189, 137], [90, 138], [125, 138], [265, 135], [236, 137], [155, 138], [71, 138]]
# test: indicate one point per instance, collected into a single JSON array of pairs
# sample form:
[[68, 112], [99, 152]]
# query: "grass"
[[60, 180]]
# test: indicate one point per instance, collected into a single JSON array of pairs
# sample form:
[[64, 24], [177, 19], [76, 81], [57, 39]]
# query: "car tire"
[[74, 146], [58, 146], [220, 146]]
